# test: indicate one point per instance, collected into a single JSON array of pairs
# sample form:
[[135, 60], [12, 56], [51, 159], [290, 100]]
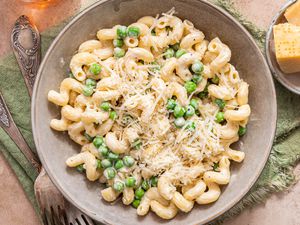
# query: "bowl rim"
[[278, 76], [222, 209]]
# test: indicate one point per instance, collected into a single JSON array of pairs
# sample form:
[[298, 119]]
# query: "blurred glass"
[[39, 3]]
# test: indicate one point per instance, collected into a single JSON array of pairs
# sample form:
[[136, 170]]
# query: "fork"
[[55, 209]]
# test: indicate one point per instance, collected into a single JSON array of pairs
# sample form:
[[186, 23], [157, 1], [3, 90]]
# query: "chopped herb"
[[216, 167], [136, 144], [204, 94], [191, 125], [155, 68], [88, 137], [80, 168], [220, 103], [71, 75], [99, 166], [153, 181], [215, 80], [175, 46]]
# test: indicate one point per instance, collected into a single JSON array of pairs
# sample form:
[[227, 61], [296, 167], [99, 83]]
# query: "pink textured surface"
[[15, 209], [14, 206]]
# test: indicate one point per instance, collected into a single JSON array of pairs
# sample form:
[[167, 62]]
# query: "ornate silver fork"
[[55, 209]]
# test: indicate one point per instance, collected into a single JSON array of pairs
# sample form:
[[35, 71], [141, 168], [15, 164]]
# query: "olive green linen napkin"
[[277, 175]]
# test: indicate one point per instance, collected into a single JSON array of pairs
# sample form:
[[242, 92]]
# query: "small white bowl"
[[290, 81]]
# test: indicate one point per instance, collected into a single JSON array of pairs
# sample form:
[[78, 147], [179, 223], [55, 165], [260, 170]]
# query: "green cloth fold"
[[276, 176]]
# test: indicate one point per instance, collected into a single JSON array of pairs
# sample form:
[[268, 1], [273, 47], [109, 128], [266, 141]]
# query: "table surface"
[[283, 208]]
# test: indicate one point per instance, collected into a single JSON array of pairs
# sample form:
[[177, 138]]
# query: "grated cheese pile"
[[165, 147]]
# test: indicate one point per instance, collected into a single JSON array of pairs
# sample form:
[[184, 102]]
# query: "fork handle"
[[9, 126], [25, 40]]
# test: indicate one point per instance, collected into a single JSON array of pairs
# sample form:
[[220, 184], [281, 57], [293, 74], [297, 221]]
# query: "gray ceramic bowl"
[[55, 147]]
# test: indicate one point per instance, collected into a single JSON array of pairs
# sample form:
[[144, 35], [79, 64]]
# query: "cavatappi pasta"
[[155, 107]]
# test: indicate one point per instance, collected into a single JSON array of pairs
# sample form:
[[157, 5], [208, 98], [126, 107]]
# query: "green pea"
[[118, 186], [220, 103], [99, 165], [105, 106], [215, 79], [130, 181], [190, 111], [133, 31], [194, 102], [178, 111], [171, 104], [179, 122], [242, 131], [71, 75], [197, 67], [220, 117], [121, 32], [145, 185], [197, 78], [109, 173], [119, 164], [128, 161], [105, 163], [98, 141], [190, 86], [153, 181], [91, 82], [118, 43], [113, 115], [175, 46], [103, 150], [136, 144], [180, 53], [113, 156], [191, 126], [136, 203], [87, 90], [80, 168], [139, 193], [95, 69], [88, 137], [169, 53], [119, 52]]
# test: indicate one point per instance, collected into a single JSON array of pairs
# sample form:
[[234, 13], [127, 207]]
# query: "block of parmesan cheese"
[[287, 47], [292, 14]]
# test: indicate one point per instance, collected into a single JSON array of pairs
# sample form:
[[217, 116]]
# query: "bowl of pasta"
[[154, 111]]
